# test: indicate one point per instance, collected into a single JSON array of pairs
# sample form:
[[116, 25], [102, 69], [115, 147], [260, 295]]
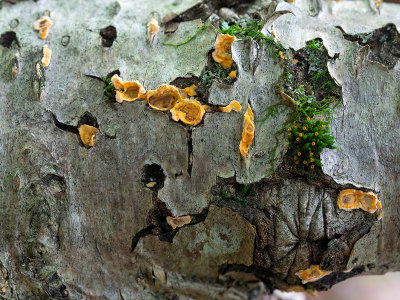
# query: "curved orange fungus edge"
[[152, 29], [235, 105], [42, 25], [87, 134], [190, 112], [353, 199], [178, 221], [127, 90], [248, 132], [164, 98], [312, 274], [46, 56], [223, 52], [190, 91]]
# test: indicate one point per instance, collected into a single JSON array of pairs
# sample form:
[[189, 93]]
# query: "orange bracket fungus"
[[127, 90], [354, 199], [223, 53], [164, 98], [248, 132], [190, 112], [313, 273], [42, 25], [233, 105], [152, 29], [87, 134], [46, 56], [178, 221]]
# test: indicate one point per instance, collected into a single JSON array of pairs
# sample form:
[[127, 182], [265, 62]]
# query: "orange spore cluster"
[[313, 273], [42, 25], [248, 132], [223, 52], [354, 199]]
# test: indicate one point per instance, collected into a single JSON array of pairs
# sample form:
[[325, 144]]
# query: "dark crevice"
[[88, 119], [64, 127], [8, 38], [190, 150], [153, 177], [108, 35], [142, 233]]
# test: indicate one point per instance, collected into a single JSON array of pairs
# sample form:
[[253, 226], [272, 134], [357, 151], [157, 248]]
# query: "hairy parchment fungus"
[[190, 112], [178, 221], [46, 56], [313, 273], [354, 199], [233, 105], [87, 134], [164, 98], [223, 53], [127, 90], [152, 29], [248, 132], [42, 25]]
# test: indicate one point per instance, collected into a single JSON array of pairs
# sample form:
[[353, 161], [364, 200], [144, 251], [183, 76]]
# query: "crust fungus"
[[46, 56], [232, 74], [42, 25], [131, 90], [233, 105], [223, 53], [190, 112], [190, 91], [178, 221], [313, 273], [152, 29], [354, 199], [87, 134], [248, 132], [164, 98]]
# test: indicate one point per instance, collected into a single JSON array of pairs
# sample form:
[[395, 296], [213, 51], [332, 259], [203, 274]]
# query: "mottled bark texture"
[[90, 223]]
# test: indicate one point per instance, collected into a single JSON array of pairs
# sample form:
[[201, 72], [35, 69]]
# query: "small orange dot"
[[311, 154], [290, 128], [298, 153], [316, 134], [308, 118], [295, 158], [323, 126], [313, 144], [300, 134], [304, 162], [320, 119], [304, 128], [312, 159], [295, 127], [289, 133], [297, 139], [312, 166], [296, 162]]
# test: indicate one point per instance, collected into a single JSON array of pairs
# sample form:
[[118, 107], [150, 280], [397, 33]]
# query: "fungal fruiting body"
[[233, 105], [127, 90], [354, 199], [46, 56], [178, 221], [248, 132], [42, 25], [38, 73], [232, 74], [313, 273], [190, 112], [164, 98], [223, 53], [152, 29], [87, 134], [190, 91]]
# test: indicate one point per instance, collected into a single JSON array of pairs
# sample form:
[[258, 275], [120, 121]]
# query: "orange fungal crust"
[[233, 105], [87, 134], [164, 98], [127, 90], [178, 221], [232, 74], [152, 29], [353, 199], [46, 56], [248, 132], [42, 25], [190, 112], [223, 52], [190, 91], [312, 274]]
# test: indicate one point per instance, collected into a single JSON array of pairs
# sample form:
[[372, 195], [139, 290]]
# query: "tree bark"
[[91, 222]]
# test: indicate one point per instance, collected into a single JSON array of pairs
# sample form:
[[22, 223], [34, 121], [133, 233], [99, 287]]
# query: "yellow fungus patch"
[[127, 90], [151, 184], [38, 73], [42, 25], [354, 199], [313, 273], [233, 105], [87, 134], [152, 29], [223, 52], [232, 74], [190, 91], [178, 221], [248, 132], [190, 112], [46, 56], [164, 98]]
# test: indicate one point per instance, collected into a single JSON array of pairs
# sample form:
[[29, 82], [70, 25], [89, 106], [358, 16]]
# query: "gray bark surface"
[[80, 223]]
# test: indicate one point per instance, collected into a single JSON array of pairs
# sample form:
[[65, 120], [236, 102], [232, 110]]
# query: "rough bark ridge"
[[90, 223]]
